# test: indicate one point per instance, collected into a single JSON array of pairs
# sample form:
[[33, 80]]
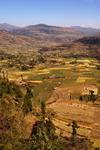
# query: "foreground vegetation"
[[14, 106], [27, 82]]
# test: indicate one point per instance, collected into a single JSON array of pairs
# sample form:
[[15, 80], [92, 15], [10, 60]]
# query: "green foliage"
[[24, 68], [41, 59], [98, 67], [7, 87], [43, 107], [27, 105], [32, 63], [97, 148], [11, 120], [74, 127], [84, 98], [43, 133], [79, 144], [91, 97]]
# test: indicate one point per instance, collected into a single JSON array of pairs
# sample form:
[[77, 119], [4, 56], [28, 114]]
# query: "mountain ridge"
[[8, 27], [86, 30], [14, 43], [48, 33]]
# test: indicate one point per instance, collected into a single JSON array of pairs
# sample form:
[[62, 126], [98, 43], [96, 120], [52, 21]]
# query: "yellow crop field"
[[80, 79], [38, 81], [84, 60], [85, 69], [96, 142], [83, 79], [21, 73], [4, 61], [57, 68], [43, 72]]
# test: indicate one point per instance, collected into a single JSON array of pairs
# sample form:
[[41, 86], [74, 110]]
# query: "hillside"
[[49, 33], [86, 46], [15, 43], [8, 27], [86, 31], [93, 40]]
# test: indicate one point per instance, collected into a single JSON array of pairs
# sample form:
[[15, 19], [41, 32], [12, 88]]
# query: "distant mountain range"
[[8, 27], [86, 31], [49, 33], [47, 38]]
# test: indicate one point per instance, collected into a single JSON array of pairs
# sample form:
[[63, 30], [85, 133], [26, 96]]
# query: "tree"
[[32, 63], [43, 132], [41, 59], [11, 124], [74, 127], [93, 97], [98, 67], [27, 105], [21, 77], [43, 108], [24, 68]]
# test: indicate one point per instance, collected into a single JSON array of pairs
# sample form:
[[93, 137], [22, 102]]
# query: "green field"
[[43, 78]]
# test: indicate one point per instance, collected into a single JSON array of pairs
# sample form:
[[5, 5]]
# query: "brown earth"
[[86, 114]]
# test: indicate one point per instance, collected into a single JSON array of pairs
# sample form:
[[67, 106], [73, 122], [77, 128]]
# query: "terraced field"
[[66, 73], [61, 86]]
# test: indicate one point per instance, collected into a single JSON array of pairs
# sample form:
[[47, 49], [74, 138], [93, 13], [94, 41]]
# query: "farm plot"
[[80, 79], [84, 60], [83, 79]]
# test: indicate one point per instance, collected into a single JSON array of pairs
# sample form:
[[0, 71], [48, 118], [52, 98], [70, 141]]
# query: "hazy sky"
[[53, 12]]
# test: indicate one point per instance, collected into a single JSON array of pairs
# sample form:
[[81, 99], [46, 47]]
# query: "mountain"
[[14, 43], [92, 40], [8, 27], [46, 37], [85, 47], [49, 33], [86, 31]]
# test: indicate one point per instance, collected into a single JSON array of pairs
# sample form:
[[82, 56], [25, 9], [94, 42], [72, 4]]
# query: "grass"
[[70, 80], [57, 73], [89, 74], [96, 73], [43, 91], [68, 74]]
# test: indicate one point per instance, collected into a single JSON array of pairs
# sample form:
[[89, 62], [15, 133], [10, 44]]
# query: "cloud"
[[96, 25]]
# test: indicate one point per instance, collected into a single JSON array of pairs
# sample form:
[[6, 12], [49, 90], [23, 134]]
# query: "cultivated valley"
[[49, 88]]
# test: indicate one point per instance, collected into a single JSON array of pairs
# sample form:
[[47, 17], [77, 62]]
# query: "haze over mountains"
[[8, 27], [51, 33], [48, 33], [75, 39], [86, 31]]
